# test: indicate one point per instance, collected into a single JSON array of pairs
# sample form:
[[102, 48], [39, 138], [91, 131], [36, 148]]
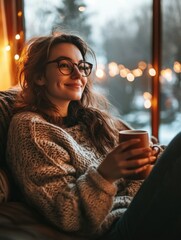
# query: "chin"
[[78, 97]]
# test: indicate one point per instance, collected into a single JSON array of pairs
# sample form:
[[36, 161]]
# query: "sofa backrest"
[[6, 112]]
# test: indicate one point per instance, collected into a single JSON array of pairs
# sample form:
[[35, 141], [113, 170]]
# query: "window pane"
[[170, 78], [120, 34]]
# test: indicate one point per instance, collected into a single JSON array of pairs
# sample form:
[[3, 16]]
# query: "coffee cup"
[[144, 142]]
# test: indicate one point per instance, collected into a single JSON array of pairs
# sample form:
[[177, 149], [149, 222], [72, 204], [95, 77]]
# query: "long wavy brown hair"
[[101, 128]]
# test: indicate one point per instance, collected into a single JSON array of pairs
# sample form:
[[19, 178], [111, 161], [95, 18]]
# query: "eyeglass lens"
[[66, 67]]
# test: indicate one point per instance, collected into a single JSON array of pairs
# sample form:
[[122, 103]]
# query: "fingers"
[[124, 145], [134, 153], [137, 163], [133, 172], [124, 162]]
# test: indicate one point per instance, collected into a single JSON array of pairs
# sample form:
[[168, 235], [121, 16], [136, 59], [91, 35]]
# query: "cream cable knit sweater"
[[56, 171]]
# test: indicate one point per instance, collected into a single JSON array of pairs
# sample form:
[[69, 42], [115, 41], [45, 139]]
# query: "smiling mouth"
[[74, 85]]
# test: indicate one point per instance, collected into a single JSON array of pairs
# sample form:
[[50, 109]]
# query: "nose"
[[76, 73]]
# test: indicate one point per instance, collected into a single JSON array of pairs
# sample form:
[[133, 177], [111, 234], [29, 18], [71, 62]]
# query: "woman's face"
[[60, 88]]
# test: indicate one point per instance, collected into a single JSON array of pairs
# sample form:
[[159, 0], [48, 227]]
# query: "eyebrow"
[[64, 57]]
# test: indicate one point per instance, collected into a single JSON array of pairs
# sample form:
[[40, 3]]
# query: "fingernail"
[[152, 158]]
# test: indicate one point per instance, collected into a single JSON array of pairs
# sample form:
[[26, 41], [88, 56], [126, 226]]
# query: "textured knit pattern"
[[6, 105], [6, 102], [56, 170]]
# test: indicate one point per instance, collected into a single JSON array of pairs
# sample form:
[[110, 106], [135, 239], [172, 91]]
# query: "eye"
[[84, 67], [64, 65]]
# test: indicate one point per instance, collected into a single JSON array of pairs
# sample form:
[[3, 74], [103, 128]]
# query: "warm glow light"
[[121, 66], [16, 57], [167, 74], [20, 14], [82, 8], [5, 56], [113, 69], [8, 48], [152, 72], [130, 77], [123, 72], [177, 67], [5, 61], [142, 65], [147, 103], [137, 72], [147, 95], [17, 36], [100, 73]]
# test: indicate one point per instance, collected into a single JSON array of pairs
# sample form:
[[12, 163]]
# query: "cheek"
[[84, 81], [54, 73], [52, 77]]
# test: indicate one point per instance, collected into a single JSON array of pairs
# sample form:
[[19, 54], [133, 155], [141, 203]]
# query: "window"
[[170, 78], [120, 34]]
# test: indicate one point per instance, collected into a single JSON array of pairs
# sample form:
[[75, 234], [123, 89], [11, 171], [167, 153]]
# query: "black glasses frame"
[[57, 61]]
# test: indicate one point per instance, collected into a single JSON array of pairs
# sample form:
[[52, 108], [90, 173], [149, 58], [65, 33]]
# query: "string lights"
[[113, 69], [12, 25], [103, 71], [9, 47]]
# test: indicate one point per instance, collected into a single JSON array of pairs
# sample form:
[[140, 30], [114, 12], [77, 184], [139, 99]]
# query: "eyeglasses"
[[66, 67]]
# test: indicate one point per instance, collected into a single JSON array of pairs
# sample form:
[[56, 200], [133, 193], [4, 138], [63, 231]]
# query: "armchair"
[[18, 220]]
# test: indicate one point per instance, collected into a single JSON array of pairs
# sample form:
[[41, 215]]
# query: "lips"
[[76, 85]]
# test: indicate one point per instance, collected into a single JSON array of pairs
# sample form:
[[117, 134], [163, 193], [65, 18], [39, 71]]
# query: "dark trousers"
[[155, 212]]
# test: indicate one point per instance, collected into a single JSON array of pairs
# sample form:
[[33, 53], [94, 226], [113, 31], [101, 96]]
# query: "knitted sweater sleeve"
[[41, 161]]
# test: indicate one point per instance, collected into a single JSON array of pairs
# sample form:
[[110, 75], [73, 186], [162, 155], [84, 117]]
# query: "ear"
[[40, 81]]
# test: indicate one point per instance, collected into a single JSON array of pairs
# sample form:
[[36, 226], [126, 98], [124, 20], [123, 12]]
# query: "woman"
[[64, 152]]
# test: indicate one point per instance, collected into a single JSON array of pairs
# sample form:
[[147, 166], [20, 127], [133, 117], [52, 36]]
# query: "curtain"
[[5, 57], [11, 40]]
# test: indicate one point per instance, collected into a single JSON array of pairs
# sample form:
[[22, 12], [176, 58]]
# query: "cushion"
[[6, 105], [17, 221], [6, 112], [20, 222]]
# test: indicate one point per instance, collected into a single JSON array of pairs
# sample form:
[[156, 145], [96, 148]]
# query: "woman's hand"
[[124, 162]]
